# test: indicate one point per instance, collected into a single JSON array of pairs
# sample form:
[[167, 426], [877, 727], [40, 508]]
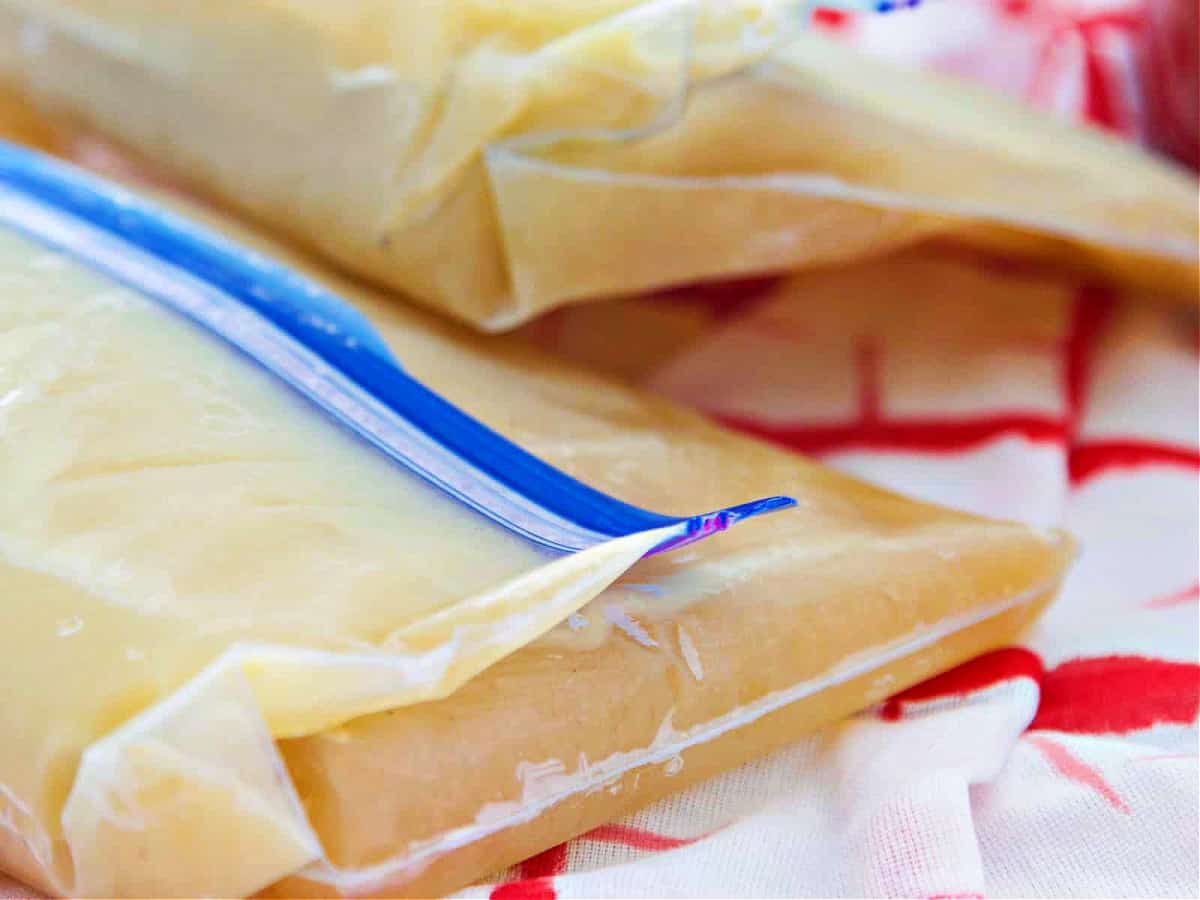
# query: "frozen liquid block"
[[242, 650]]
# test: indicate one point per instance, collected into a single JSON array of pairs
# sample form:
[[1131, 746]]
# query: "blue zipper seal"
[[325, 349]]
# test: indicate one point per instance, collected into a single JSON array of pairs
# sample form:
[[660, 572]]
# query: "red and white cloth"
[[1066, 766]]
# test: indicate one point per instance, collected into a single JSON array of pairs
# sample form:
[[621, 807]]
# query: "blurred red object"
[[1131, 67], [1169, 67]]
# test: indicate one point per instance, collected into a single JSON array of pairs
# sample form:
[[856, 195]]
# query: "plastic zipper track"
[[320, 346]]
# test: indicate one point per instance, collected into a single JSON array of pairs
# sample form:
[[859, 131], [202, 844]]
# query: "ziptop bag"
[[494, 160], [278, 615]]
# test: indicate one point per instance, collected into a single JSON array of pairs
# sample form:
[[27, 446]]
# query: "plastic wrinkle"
[[12, 806], [690, 655], [833, 187]]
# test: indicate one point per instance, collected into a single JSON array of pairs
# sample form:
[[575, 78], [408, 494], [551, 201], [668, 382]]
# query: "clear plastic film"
[[494, 160], [243, 648]]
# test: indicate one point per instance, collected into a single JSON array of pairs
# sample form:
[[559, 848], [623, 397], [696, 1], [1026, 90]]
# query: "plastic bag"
[[182, 526], [208, 587], [495, 160]]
